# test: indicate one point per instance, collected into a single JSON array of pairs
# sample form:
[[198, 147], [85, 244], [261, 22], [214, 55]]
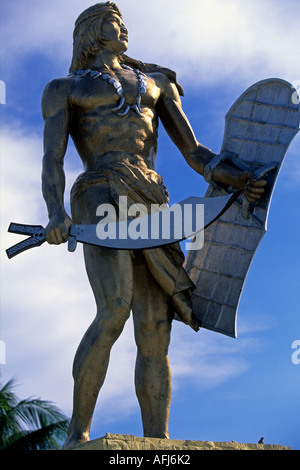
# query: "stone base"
[[123, 442]]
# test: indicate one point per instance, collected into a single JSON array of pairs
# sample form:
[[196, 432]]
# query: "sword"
[[155, 232]]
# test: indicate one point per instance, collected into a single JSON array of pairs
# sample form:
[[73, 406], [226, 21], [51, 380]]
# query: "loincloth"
[[126, 175], [129, 176]]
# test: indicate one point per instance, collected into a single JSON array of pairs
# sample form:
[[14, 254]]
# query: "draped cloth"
[[118, 175]]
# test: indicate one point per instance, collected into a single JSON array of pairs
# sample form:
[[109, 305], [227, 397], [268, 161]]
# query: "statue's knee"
[[120, 306], [154, 339], [116, 313]]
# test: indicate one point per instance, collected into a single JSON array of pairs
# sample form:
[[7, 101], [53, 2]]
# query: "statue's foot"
[[157, 434], [75, 439]]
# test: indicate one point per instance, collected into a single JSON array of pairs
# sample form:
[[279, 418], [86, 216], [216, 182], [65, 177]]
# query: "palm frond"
[[40, 439], [29, 424]]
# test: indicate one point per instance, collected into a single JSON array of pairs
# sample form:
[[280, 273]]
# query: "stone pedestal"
[[126, 442]]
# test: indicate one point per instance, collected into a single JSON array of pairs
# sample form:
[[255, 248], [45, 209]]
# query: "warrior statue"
[[110, 105]]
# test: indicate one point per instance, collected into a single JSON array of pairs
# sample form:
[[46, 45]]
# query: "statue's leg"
[[110, 276], [152, 323]]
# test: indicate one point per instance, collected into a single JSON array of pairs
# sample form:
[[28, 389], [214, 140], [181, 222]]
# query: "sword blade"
[[176, 223], [159, 228]]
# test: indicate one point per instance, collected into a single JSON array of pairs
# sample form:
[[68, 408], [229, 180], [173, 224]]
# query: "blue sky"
[[223, 388]]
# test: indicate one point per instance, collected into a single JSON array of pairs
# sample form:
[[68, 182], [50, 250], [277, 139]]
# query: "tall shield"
[[258, 129]]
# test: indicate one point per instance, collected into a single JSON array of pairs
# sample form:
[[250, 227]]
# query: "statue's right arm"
[[170, 111], [56, 114]]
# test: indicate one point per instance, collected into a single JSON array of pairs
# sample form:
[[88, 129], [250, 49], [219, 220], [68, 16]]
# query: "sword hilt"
[[37, 237]]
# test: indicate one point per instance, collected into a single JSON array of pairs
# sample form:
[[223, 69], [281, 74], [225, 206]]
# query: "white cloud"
[[210, 41], [207, 360]]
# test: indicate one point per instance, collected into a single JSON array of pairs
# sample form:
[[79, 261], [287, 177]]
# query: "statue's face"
[[114, 34]]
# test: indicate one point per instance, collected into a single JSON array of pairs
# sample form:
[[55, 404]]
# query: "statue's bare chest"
[[92, 91]]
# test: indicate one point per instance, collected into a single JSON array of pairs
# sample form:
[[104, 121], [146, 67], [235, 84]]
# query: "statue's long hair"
[[87, 33], [87, 42]]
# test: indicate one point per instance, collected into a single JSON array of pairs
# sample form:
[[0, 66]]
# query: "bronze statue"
[[110, 105]]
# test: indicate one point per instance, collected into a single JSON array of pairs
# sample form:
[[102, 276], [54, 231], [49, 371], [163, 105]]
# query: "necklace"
[[142, 88]]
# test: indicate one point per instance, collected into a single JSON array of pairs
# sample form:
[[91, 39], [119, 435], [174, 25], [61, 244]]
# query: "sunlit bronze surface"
[[118, 151]]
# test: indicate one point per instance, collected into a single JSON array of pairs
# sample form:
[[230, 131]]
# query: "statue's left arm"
[[175, 122]]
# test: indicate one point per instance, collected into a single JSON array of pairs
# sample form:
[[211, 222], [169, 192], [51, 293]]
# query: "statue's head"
[[86, 37], [87, 41]]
